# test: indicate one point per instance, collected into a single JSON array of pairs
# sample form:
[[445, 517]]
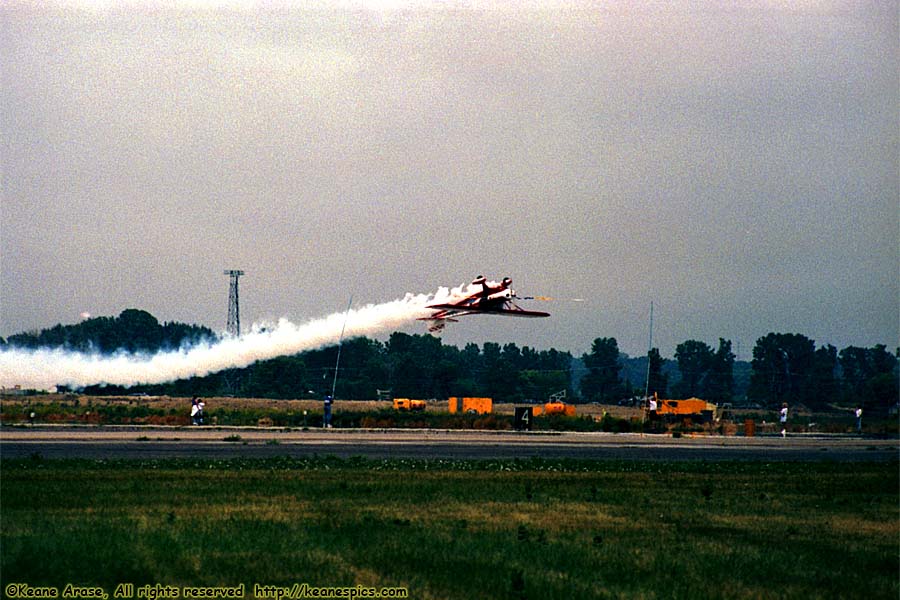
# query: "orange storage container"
[[407, 404], [559, 408], [482, 406]]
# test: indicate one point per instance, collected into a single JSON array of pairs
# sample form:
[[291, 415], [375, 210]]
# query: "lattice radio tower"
[[234, 308]]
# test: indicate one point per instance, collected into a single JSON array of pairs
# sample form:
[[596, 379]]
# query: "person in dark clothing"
[[327, 420]]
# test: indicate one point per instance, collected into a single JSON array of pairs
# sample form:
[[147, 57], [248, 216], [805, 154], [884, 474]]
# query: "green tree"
[[694, 360], [512, 354], [540, 385], [602, 383], [470, 368], [825, 382], [719, 380], [133, 330], [413, 364], [657, 381], [856, 371], [501, 377], [281, 377], [782, 369], [869, 375]]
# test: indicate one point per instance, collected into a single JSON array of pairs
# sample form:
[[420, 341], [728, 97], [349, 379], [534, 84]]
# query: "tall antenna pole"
[[647, 383], [649, 349], [340, 343], [233, 327]]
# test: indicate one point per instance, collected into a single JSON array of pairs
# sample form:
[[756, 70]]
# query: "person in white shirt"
[[195, 408]]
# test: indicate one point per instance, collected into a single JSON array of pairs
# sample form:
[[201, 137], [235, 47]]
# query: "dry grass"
[[183, 403]]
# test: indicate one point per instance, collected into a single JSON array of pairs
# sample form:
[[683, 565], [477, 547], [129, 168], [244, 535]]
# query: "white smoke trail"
[[46, 368]]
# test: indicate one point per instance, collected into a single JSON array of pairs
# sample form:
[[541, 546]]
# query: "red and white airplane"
[[492, 299]]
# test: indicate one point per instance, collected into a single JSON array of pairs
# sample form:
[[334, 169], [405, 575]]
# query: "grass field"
[[502, 529]]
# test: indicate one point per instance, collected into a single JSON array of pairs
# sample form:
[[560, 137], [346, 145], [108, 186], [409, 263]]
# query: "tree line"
[[785, 368], [134, 330], [413, 366]]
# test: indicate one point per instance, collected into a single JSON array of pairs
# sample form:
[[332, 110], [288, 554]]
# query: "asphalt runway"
[[127, 442]]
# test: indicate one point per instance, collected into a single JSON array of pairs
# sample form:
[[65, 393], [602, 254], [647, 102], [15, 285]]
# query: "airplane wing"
[[448, 307], [450, 314], [518, 312]]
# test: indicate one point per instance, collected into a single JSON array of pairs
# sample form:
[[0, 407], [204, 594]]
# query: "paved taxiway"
[[130, 442]]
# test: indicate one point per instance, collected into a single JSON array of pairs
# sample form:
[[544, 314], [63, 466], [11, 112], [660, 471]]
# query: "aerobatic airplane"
[[492, 299]]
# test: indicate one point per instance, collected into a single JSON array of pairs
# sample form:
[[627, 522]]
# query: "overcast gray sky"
[[736, 163]]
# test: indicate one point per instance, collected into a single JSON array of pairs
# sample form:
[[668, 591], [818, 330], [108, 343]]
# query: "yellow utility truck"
[[692, 410]]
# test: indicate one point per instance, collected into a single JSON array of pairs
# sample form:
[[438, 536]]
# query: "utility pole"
[[647, 383], [337, 363], [649, 349], [234, 309]]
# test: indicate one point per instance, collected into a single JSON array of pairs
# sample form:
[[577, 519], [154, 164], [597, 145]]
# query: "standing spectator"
[[858, 419], [326, 422], [783, 419], [195, 409], [201, 407]]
